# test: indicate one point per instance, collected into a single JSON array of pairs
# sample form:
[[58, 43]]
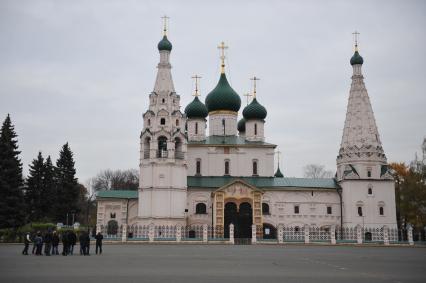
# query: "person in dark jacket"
[[48, 237], [82, 240], [72, 237], [65, 243], [39, 243], [27, 241], [99, 238], [55, 243], [87, 243]]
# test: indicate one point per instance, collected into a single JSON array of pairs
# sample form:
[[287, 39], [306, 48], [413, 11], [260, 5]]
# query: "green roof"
[[263, 182], [230, 140], [165, 44], [223, 97], [117, 194], [357, 59], [254, 111], [196, 109]]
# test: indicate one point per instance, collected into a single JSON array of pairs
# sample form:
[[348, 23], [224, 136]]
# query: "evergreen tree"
[[12, 206], [49, 192], [67, 190], [35, 189]]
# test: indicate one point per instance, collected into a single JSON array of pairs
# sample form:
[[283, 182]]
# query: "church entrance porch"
[[241, 217]]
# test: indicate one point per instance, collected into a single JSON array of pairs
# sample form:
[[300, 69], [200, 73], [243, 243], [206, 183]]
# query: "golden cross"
[[247, 95], [254, 79], [165, 18], [222, 57], [196, 77], [356, 34]]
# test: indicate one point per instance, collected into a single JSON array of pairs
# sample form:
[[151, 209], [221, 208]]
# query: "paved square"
[[219, 263]]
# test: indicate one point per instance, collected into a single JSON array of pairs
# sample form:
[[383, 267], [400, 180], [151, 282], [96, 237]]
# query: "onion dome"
[[196, 109], [254, 111], [165, 44], [278, 174], [241, 126], [223, 97], [356, 59]]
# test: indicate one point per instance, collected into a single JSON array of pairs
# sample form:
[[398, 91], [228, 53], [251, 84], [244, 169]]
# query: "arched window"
[[201, 208], [370, 190], [381, 210], [178, 149], [177, 122], [296, 229], [255, 167], [359, 210], [198, 167], [146, 147], [112, 227], [162, 146], [255, 129], [369, 172], [226, 167], [163, 100], [196, 128], [265, 208], [149, 122], [163, 121]]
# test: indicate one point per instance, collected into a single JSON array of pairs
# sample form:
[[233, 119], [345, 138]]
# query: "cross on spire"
[[222, 46], [278, 156], [356, 35], [254, 79], [247, 95], [196, 77], [165, 18]]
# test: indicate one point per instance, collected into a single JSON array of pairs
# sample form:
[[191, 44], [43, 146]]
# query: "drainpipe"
[[339, 192]]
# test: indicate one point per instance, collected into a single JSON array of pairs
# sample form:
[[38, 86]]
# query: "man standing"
[[27, 241], [55, 243], [87, 242], [99, 238], [82, 240], [39, 243], [65, 243], [72, 237], [47, 242]]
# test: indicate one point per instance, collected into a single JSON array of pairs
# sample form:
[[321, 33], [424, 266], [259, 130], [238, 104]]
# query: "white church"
[[192, 177]]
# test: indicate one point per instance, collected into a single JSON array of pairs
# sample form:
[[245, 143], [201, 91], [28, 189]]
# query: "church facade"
[[191, 177]]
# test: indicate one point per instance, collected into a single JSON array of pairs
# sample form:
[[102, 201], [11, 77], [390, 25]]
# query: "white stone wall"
[[241, 160], [106, 206], [250, 132], [216, 126], [355, 193], [199, 196], [192, 135]]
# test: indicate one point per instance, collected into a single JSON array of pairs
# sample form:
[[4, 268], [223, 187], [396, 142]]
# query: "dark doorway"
[[242, 220], [269, 231]]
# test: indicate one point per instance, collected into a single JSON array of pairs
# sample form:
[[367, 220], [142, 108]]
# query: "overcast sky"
[[81, 72]]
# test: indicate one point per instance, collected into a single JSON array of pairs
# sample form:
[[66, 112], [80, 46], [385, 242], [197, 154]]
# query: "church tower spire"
[[360, 141], [164, 81]]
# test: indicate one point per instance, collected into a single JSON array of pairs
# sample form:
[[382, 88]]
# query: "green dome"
[[223, 97], [241, 126], [165, 44], [278, 174], [196, 109], [254, 111], [356, 59]]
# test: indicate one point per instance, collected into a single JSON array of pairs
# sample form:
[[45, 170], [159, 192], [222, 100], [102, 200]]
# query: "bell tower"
[[163, 166]]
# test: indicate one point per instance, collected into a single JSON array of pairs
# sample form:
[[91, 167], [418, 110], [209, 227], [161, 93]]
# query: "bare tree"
[[115, 180], [316, 171]]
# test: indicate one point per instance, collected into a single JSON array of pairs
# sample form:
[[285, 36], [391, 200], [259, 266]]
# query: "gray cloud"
[[81, 71]]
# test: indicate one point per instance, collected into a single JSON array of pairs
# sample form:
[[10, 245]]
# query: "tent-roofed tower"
[[163, 167], [362, 169]]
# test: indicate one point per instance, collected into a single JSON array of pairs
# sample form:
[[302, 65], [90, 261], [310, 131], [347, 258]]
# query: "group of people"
[[51, 240]]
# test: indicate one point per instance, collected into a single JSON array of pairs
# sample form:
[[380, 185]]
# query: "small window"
[[163, 101], [296, 229], [381, 211], [177, 122], [196, 128], [370, 191], [369, 172], [200, 208], [112, 215], [359, 211], [255, 129], [162, 121], [255, 168], [329, 210], [265, 208], [149, 122], [296, 209], [226, 167], [198, 167]]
